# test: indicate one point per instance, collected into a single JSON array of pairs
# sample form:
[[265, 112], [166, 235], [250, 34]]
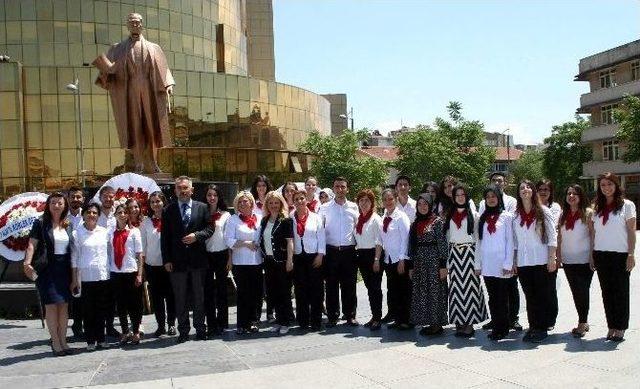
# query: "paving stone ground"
[[342, 357]]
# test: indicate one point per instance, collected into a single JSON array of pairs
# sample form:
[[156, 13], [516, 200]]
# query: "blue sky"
[[510, 63]]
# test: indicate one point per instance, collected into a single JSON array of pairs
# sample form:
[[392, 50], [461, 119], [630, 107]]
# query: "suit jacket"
[[282, 230], [183, 256]]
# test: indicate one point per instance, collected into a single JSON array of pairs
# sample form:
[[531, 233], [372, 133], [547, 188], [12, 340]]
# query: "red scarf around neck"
[[385, 223], [362, 220], [312, 205], [157, 223], [458, 217], [527, 218], [250, 221], [423, 225], [571, 219], [301, 223], [259, 204], [119, 246], [491, 221], [215, 217], [606, 211]]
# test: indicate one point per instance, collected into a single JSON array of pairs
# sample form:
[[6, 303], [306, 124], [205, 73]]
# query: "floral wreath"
[[140, 195], [19, 241]]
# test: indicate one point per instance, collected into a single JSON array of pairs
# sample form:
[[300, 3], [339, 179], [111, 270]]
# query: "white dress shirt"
[[107, 220], [528, 244], [60, 241], [132, 247], [150, 243], [494, 252], [575, 244], [314, 237], [75, 220], [409, 208], [555, 211], [395, 241], [216, 242], [370, 237], [89, 253], [237, 230], [339, 222], [613, 235], [510, 204]]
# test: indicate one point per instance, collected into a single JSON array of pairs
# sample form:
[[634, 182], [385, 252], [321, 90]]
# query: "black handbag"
[[41, 258]]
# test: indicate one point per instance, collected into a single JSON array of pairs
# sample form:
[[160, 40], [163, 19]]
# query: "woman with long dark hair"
[[215, 282], [535, 251], [259, 188], [134, 213], [545, 193], [288, 190], [432, 188], [574, 252], [50, 237], [614, 242]]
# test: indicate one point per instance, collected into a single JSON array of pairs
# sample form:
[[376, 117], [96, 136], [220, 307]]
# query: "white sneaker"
[[91, 347], [276, 328], [284, 330]]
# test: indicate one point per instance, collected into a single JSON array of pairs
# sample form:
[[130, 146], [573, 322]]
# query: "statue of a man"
[[136, 74]]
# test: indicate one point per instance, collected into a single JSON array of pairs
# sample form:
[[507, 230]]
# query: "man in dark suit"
[[185, 228]]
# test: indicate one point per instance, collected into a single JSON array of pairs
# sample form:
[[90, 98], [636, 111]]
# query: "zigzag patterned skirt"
[[466, 295]]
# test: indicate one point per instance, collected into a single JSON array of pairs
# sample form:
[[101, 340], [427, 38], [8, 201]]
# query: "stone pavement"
[[338, 357]]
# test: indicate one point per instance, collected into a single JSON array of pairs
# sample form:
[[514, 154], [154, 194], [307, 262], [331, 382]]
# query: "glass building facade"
[[226, 125]]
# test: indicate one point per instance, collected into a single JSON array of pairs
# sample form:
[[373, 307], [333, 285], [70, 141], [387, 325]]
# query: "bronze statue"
[[136, 74]]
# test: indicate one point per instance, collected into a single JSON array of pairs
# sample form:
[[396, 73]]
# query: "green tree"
[[452, 147], [628, 117], [337, 156], [564, 155], [529, 167]]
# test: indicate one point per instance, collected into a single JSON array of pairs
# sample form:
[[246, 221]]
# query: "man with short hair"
[[340, 217], [74, 216], [499, 179], [405, 203], [107, 219], [185, 228]]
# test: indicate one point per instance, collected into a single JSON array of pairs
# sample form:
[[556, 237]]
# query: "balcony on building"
[[605, 95], [600, 132]]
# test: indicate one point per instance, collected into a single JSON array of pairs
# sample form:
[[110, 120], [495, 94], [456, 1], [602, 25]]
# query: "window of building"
[[635, 70], [610, 150], [608, 78], [606, 113]]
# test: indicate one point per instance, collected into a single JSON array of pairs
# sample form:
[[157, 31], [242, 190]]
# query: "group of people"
[[438, 253]]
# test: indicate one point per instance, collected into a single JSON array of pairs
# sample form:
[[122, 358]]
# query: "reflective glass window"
[[32, 108], [68, 135], [8, 106], [69, 164], [50, 135], [12, 165], [34, 135]]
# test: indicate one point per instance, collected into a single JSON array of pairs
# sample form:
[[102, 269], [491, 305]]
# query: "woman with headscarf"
[[428, 254], [325, 196]]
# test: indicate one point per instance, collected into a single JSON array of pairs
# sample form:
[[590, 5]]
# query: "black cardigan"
[[282, 230]]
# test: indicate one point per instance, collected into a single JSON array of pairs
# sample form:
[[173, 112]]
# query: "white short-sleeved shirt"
[[370, 237], [150, 242], [237, 230], [613, 235], [575, 244], [216, 242], [531, 250], [133, 246], [494, 252], [89, 253]]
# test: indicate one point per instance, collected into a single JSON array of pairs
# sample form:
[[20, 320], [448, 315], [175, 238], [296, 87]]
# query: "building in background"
[[611, 74], [230, 118]]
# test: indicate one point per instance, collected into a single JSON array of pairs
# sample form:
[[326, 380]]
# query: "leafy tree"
[[529, 167], [564, 155], [337, 156], [628, 117], [452, 147]]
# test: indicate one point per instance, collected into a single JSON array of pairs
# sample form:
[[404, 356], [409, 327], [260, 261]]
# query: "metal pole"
[[351, 116], [81, 139], [508, 152]]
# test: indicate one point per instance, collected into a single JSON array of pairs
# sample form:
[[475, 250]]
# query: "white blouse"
[[237, 230], [370, 237], [613, 235], [216, 242], [409, 208], [89, 253], [339, 222], [556, 211], [528, 244], [575, 243], [459, 235], [313, 240], [132, 247], [150, 243], [60, 241], [266, 235], [396, 240], [494, 252]]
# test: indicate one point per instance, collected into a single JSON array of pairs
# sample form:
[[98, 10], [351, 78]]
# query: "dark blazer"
[[182, 256], [282, 230], [39, 229]]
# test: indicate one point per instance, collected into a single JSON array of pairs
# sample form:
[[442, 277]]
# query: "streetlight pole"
[[348, 115], [75, 89], [508, 147]]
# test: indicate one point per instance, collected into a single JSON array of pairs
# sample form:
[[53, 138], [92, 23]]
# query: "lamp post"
[[348, 115], [508, 147], [75, 89]]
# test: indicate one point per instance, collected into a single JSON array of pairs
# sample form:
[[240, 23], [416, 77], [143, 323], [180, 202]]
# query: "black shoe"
[[172, 331], [487, 326], [528, 335], [393, 325], [78, 334], [515, 326], [368, 324], [159, 332], [201, 336], [375, 326], [214, 332], [404, 327], [182, 338], [315, 328], [539, 336], [112, 332], [497, 335], [352, 323], [68, 351], [388, 318]]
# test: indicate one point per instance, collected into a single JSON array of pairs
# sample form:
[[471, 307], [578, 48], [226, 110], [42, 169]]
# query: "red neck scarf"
[[527, 218], [491, 221], [570, 221], [135, 223], [385, 223], [157, 223], [423, 225], [606, 211], [250, 221], [215, 217], [458, 217], [259, 204], [312, 205], [119, 243], [362, 220], [301, 222]]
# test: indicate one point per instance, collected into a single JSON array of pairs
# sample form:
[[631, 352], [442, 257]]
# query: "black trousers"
[[398, 292], [536, 284], [161, 295], [341, 277], [498, 289], [76, 313], [249, 283], [128, 299], [514, 299], [215, 291], [308, 284], [614, 282], [95, 302], [579, 277], [182, 282], [552, 311], [279, 282], [372, 280]]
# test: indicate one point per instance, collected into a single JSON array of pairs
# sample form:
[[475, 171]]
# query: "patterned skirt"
[[466, 295]]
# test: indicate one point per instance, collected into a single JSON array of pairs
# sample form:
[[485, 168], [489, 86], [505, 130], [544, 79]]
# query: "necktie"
[[185, 215]]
